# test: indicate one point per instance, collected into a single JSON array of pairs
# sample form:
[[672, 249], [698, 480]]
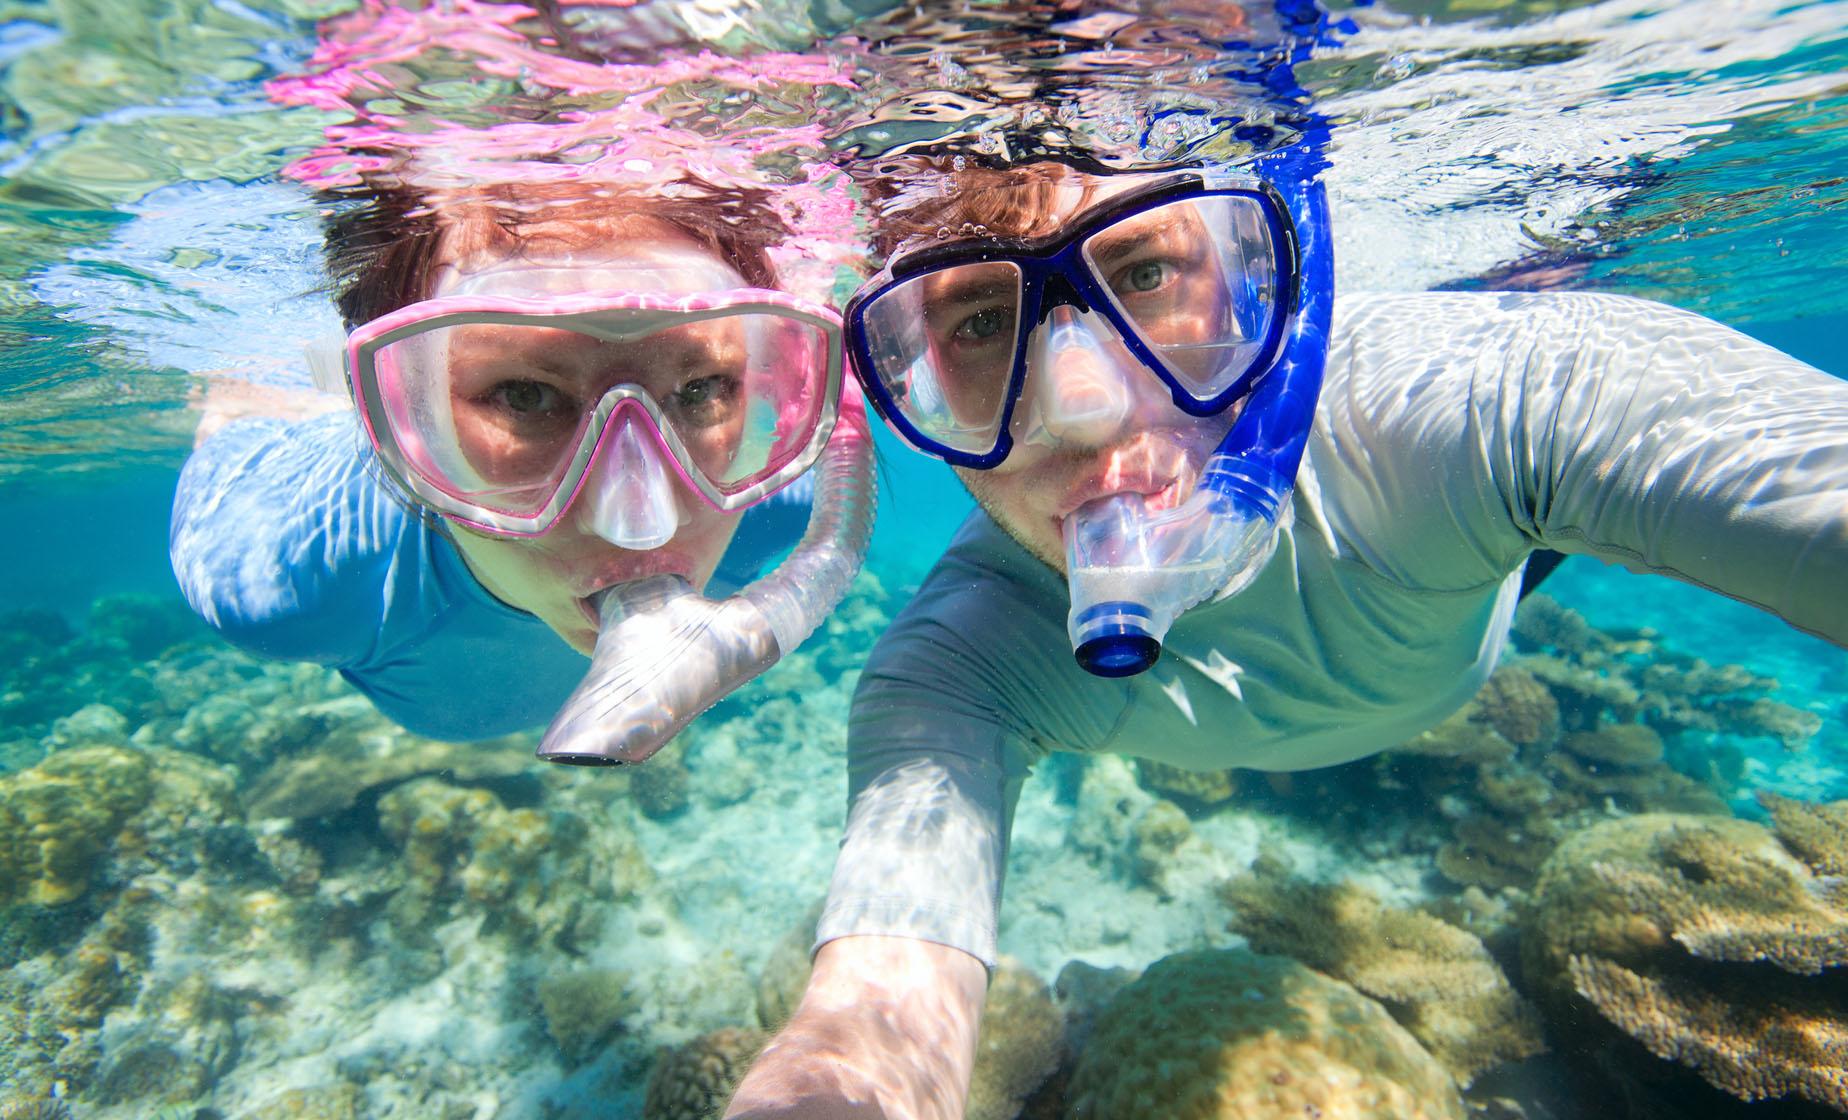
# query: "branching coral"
[[1436, 979], [1707, 941], [694, 1081], [1228, 1034]]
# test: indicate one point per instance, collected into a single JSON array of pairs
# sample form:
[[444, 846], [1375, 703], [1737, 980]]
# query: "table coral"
[[1436, 979], [694, 1081], [1706, 940], [1231, 1035]]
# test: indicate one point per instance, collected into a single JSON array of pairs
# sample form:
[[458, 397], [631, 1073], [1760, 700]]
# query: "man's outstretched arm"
[[885, 1031]]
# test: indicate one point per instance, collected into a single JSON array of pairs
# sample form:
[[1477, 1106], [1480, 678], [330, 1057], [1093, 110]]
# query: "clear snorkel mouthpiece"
[[665, 653], [1132, 571]]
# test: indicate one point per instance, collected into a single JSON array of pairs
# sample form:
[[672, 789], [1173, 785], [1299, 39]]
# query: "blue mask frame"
[[1054, 273]]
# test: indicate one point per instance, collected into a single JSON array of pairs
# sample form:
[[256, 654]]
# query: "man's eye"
[[1143, 276], [527, 398], [983, 325]]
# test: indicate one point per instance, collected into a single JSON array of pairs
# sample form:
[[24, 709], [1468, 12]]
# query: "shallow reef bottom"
[[229, 889]]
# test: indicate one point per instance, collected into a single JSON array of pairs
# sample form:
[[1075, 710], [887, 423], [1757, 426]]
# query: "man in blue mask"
[[1228, 522]]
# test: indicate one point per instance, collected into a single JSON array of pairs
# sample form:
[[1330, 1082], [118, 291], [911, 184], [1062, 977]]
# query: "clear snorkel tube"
[[1132, 571], [665, 653]]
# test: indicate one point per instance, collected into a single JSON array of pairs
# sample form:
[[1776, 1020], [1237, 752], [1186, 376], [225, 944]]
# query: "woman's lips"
[[631, 568]]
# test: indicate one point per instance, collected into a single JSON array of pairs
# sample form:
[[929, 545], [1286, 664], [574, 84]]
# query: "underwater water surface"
[[229, 888]]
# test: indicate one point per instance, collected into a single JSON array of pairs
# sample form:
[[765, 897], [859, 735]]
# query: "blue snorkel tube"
[[1132, 571]]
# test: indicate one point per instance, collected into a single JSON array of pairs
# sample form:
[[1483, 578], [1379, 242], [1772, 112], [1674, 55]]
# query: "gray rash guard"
[[1456, 434]]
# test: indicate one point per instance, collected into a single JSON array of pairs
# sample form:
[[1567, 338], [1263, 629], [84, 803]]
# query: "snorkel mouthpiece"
[[626, 707], [665, 653], [1132, 570]]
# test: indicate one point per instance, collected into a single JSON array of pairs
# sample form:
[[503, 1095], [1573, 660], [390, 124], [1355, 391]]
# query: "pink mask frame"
[[652, 311]]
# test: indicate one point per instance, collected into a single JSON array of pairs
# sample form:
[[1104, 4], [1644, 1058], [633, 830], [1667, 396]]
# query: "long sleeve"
[[1590, 424]]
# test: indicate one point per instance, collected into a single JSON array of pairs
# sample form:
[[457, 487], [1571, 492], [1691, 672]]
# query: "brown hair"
[[386, 239], [934, 197]]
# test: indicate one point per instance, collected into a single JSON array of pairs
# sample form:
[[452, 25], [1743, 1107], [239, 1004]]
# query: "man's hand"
[[886, 1031]]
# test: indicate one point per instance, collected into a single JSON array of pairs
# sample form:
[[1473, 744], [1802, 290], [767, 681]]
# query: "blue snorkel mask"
[[1217, 283]]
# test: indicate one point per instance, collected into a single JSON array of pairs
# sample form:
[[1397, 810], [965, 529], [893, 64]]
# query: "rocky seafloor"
[[229, 889]]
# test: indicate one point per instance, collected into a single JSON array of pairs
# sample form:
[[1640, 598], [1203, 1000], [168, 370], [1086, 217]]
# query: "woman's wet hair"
[[386, 240]]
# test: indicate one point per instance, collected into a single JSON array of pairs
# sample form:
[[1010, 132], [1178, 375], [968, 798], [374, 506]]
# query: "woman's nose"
[[1079, 375], [629, 498]]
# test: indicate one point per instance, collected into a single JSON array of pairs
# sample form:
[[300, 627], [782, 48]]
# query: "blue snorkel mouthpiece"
[[1132, 570]]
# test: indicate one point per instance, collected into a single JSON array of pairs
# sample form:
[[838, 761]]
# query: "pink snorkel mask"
[[502, 411]]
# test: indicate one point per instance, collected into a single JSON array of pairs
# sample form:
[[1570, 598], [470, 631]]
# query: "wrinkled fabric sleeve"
[[284, 542], [961, 695], [1591, 424]]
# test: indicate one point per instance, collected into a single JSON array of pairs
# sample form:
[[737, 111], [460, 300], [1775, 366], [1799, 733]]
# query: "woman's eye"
[[527, 398], [705, 393], [983, 325], [1143, 276]]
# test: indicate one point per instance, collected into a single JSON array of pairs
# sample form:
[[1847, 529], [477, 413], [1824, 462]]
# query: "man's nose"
[[630, 499], [1079, 374]]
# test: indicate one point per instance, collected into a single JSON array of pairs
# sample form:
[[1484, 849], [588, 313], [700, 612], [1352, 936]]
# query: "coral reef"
[[1214, 1035], [694, 1081], [353, 751], [1157, 834], [785, 973], [463, 846], [1198, 787], [1706, 940], [583, 1008], [1528, 759], [1022, 1039], [1599, 677], [57, 820], [660, 785], [1436, 979]]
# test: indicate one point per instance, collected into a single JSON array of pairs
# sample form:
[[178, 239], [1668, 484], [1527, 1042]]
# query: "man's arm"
[[885, 1031], [1591, 424], [971, 672]]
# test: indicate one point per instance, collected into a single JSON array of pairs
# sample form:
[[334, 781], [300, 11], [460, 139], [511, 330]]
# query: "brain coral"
[[694, 1081], [1707, 941], [1218, 1035]]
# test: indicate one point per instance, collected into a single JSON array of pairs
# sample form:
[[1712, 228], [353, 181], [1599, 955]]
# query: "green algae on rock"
[[1232, 1035], [1707, 941]]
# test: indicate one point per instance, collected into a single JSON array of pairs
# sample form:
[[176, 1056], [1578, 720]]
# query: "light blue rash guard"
[[286, 540]]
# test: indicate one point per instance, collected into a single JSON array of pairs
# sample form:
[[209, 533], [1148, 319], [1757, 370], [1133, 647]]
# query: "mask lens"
[[1197, 280], [943, 345], [496, 414]]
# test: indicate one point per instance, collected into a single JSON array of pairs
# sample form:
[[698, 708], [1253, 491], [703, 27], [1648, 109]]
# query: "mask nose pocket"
[[630, 499], [1077, 371]]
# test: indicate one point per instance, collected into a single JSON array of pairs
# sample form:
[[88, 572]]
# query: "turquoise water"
[[261, 899]]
